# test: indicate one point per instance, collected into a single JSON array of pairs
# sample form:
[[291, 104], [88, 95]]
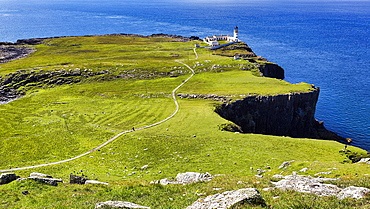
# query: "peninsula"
[[288, 114], [102, 108]]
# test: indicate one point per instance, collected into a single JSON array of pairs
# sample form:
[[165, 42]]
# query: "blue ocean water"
[[323, 43]]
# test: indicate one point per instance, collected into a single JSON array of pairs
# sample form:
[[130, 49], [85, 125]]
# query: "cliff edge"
[[282, 115]]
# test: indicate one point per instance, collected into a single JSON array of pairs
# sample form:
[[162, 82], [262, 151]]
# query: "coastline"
[[13, 51]]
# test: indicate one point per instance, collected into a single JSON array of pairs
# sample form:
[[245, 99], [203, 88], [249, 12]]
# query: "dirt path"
[[196, 55], [120, 134]]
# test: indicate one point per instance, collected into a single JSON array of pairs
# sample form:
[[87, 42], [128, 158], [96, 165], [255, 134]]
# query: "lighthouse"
[[236, 33], [213, 40]]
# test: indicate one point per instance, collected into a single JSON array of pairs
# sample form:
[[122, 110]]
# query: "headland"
[[78, 92], [282, 115]]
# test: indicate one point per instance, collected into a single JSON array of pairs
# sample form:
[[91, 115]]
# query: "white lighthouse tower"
[[236, 33]]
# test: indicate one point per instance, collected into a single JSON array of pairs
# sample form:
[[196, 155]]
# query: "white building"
[[213, 41]]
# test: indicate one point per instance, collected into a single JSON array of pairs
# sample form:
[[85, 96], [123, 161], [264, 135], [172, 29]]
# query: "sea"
[[325, 43]]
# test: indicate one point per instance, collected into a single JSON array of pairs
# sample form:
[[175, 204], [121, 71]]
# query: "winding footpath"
[[120, 134]]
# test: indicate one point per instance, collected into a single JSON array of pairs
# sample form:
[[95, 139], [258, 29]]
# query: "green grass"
[[63, 121], [241, 83], [53, 124], [101, 52], [235, 49]]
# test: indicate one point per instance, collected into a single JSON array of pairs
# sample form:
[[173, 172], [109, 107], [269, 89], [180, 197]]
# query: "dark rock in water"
[[119, 204], [6, 178], [281, 115], [73, 179], [230, 199], [326, 134]]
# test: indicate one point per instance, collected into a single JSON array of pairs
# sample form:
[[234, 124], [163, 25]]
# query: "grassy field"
[[57, 123]]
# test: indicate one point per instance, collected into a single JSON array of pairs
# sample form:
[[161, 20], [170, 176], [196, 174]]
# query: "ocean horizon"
[[322, 43]]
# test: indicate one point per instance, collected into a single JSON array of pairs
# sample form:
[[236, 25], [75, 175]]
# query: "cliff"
[[282, 115], [272, 70], [242, 50]]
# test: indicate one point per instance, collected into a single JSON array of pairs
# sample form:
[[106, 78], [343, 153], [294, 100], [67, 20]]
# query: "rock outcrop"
[[9, 84], [42, 175], [230, 199], [74, 179], [353, 192], [6, 178], [213, 97], [50, 181], [8, 53], [186, 178], [285, 164], [44, 178], [272, 70], [119, 204], [308, 184], [281, 115]]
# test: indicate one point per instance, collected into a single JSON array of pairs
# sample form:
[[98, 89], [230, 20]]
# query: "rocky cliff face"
[[282, 115], [11, 84], [8, 53], [272, 70]]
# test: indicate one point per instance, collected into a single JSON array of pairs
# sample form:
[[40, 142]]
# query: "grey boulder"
[[353, 192], [230, 199], [40, 175], [44, 178], [187, 178], [119, 204], [74, 179], [309, 184]]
